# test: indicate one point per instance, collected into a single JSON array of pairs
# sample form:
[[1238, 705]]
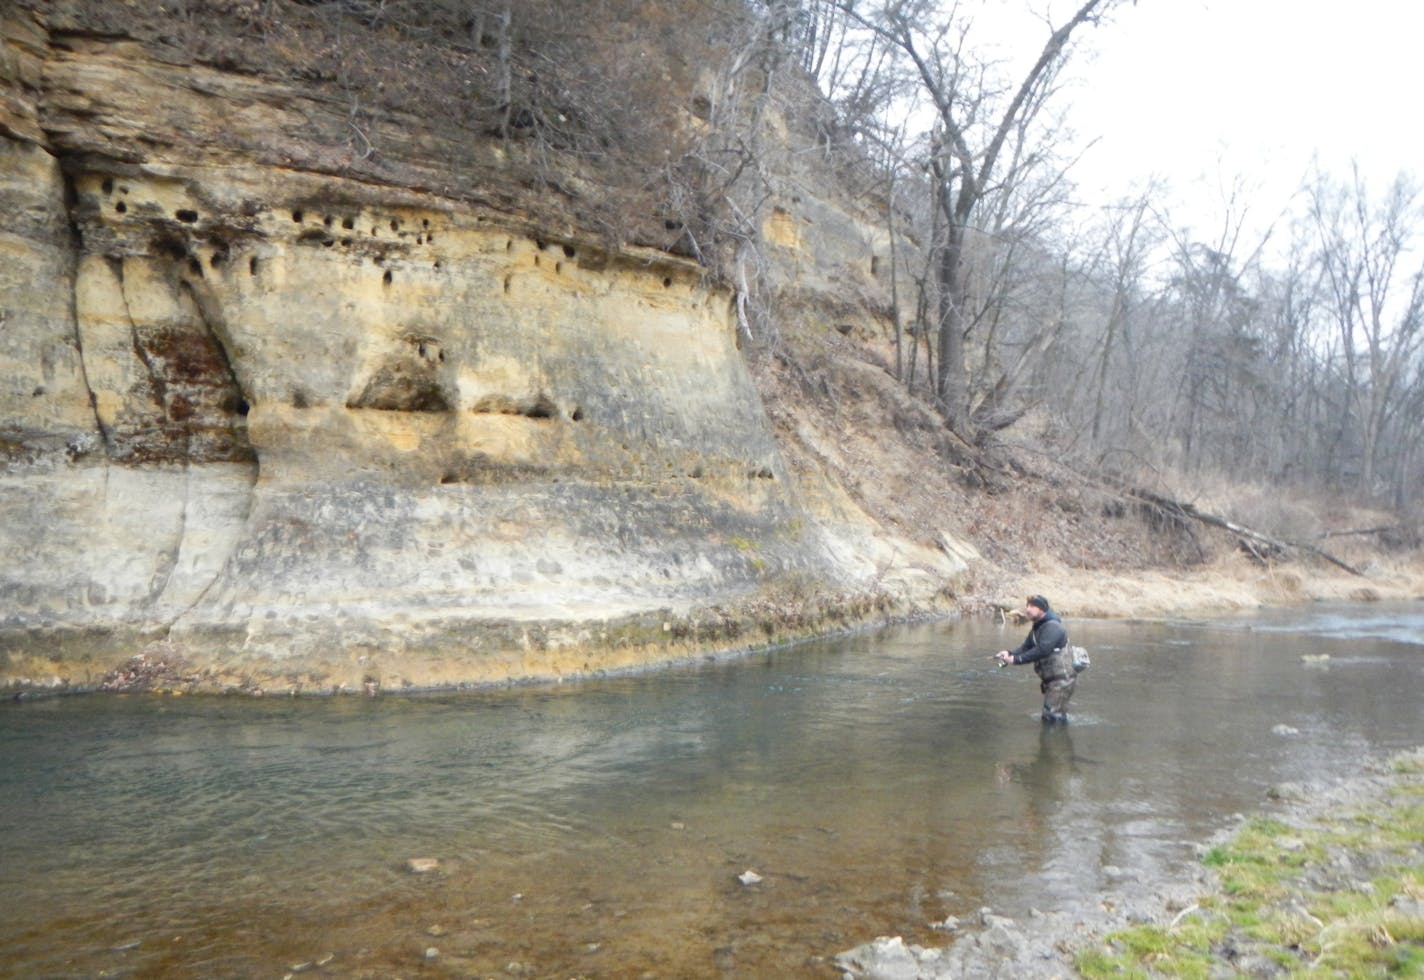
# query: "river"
[[875, 783]]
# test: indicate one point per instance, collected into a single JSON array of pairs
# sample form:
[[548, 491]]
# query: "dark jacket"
[[1046, 647]]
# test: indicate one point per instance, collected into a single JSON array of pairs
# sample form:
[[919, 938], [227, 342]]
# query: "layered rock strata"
[[281, 427]]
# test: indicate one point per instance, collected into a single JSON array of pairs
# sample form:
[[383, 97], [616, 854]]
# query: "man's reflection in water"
[[1045, 779]]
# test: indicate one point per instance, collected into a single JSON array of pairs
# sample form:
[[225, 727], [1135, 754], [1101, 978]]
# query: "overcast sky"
[[1205, 91]]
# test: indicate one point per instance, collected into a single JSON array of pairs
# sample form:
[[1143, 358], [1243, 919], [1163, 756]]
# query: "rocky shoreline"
[[1048, 944]]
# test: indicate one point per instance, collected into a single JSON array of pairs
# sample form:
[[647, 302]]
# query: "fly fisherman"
[[1046, 647]]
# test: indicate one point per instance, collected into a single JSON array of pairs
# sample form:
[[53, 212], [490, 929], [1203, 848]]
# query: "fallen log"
[[1254, 541], [1364, 530]]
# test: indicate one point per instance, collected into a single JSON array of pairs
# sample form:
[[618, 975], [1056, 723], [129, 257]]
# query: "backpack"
[[1080, 659]]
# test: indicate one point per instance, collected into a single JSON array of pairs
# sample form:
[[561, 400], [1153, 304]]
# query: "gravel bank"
[[1046, 944]]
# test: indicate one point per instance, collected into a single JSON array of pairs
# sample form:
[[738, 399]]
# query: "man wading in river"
[[1046, 647]]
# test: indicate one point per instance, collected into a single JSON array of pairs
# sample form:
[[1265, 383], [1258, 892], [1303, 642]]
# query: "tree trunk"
[[950, 382]]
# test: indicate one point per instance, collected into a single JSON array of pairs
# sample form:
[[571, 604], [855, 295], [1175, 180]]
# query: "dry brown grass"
[[1231, 584]]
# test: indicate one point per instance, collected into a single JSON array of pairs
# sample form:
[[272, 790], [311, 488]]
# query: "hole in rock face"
[[235, 404], [542, 407], [394, 388], [252, 266], [570, 251], [297, 216], [108, 185], [121, 207], [387, 277], [667, 283], [186, 215], [171, 248], [348, 223]]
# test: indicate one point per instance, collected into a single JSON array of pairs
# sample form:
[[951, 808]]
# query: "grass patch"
[[1408, 765], [1258, 862], [1338, 898], [1152, 951]]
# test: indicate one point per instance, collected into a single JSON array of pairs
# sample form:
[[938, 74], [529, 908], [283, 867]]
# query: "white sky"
[[1205, 91]]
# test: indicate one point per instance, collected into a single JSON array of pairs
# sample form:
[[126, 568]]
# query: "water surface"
[[877, 783]]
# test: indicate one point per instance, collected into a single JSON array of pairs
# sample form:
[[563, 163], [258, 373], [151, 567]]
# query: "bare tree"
[[1121, 266], [721, 187], [981, 148], [1376, 288]]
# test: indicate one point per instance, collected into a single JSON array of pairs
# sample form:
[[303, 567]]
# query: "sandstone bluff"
[[279, 414]]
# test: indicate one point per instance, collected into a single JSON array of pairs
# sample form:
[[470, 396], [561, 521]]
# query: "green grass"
[[1281, 907]]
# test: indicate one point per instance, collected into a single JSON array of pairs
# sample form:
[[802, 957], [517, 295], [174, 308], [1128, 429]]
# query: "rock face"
[[312, 432]]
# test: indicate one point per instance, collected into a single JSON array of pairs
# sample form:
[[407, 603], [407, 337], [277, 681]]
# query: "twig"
[[1183, 914]]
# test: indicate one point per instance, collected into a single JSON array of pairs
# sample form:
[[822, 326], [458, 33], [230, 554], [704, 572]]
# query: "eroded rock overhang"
[[309, 432]]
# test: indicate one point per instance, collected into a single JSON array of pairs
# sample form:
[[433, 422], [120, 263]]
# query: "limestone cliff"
[[281, 417]]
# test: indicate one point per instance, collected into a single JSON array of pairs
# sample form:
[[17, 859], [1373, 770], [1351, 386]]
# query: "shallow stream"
[[876, 784]]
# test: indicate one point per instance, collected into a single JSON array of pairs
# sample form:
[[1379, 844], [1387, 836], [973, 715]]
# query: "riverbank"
[[1226, 585], [1327, 879]]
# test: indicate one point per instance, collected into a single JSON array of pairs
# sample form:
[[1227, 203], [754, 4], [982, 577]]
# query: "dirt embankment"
[[1098, 543]]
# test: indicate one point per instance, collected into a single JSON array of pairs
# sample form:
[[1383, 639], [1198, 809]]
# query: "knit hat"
[[1039, 601]]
